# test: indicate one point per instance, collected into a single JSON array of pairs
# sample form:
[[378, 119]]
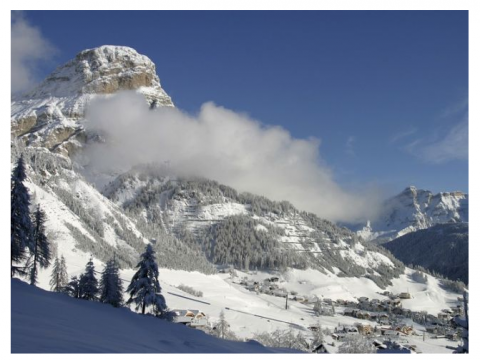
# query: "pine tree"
[[73, 288], [88, 282], [59, 277], [21, 224], [41, 250], [111, 289], [317, 335], [221, 327], [55, 284], [144, 288], [63, 272]]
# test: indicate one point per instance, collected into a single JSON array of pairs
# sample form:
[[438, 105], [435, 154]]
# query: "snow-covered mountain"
[[196, 225], [196, 222], [246, 230], [414, 209], [52, 114]]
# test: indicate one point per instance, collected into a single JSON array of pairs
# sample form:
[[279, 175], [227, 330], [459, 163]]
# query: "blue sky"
[[385, 91]]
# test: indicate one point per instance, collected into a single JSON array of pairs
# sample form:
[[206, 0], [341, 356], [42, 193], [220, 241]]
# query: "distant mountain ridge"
[[412, 210], [443, 249]]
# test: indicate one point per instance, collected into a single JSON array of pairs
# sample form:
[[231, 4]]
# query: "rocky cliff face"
[[414, 209], [51, 115]]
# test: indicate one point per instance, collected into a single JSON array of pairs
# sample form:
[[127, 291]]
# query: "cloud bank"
[[226, 146], [29, 47]]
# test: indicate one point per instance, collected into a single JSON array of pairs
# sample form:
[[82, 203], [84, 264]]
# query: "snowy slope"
[[249, 313], [218, 220], [414, 209], [60, 324]]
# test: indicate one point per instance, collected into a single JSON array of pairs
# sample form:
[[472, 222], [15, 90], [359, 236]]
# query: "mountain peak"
[[103, 70], [51, 114]]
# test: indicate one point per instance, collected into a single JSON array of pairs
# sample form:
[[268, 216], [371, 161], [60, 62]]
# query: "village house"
[[389, 333], [280, 293], [342, 331], [363, 315], [192, 318], [300, 299], [405, 295], [364, 329], [405, 329]]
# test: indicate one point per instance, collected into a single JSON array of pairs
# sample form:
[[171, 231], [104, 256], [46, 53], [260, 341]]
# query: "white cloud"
[[453, 146], [225, 146], [29, 47], [447, 145], [402, 135]]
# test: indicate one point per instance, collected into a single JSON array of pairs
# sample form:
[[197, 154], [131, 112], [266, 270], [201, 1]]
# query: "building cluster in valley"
[[384, 322]]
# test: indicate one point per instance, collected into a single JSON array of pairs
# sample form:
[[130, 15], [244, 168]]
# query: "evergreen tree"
[[111, 289], [73, 288], [89, 283], [21, 224], [63, 272], [144, 288], [55, 283], [317, 335], [221, 327], [41, 249]]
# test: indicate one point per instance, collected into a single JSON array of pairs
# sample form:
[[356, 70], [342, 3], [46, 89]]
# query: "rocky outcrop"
[[51, 115]]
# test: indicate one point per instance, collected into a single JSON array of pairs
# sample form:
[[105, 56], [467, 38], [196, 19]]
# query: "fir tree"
[[73, 288], [317, 335], [21, 224], [59, 277], [144, 289], [111, 288], [41, 249], [221, 328], [89, 283], [55, 277], [63, 272]]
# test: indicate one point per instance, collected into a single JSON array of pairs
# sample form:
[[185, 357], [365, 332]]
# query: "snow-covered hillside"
[[60, 324], [412, 210], [246, 230], [443, 248]]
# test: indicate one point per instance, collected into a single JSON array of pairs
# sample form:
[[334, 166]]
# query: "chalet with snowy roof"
[[364, 329], [193, 318], [404, 295], [346, 329]]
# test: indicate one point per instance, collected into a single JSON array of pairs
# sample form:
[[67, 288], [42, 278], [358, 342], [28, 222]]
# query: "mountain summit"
[[415, 209], [51, 114]]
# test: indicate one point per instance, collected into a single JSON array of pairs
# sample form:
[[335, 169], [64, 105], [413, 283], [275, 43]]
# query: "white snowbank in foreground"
[[46, 322]]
